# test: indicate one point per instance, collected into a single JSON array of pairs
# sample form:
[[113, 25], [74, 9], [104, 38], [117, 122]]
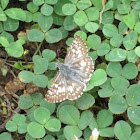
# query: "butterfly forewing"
[[77, 50], [77, 59]]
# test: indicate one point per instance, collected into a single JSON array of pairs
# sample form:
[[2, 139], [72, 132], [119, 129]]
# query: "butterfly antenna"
[[58, 53]]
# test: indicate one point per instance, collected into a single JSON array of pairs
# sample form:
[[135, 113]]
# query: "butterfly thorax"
[[69, 72]]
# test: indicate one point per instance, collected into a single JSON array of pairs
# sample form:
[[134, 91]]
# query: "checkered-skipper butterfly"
[[73, 75]]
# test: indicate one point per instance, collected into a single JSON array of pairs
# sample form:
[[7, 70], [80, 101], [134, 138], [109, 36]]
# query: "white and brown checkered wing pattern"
[[63, 88], [79, 60], [57, 91]]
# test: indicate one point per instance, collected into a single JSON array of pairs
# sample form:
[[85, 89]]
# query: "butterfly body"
[[67, 71], [73, 74]]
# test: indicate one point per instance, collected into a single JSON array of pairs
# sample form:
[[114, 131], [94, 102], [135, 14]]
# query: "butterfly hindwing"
[[57, 91]]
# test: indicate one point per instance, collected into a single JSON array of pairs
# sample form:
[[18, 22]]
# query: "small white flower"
[[95, 134], [75, 138]]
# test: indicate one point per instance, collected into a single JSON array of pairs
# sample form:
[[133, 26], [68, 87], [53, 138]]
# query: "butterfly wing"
[[79, 60], [57, 91], [63, 88], [77, 50], [74, 89]]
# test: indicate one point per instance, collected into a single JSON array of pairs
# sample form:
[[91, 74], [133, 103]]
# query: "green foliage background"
[[111, 31]]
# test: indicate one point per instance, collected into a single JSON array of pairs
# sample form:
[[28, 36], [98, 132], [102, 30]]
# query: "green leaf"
[[132, 96], [105, 93], [94, 41], [93, 124], [124, 8], [26, 76], [117, 54], [35, 35], [129, 71], [92, 13], [85, 101], [5, 136], [42, 115], [97, 3], [36, 130], [19, 119], [107, 132], [35, 16], [83, 4], [16, 13], [116, 40], [82, 34], [53, 36], [50, 106], [2, 15], [7, 35], [122, 28], [4, 42], [87, 133], [32, 7], [135, 136], [51, 2], [69, 24], [38, 2], [11, 25], [130, 40], [129, 20], [122, 130], [110, 30], [85, 119], [30, 114], [29, 137], [80, 18], [137, 51], [25, 101], [92, 27], [1, 28], [137, 27], [134, 114], [69, 114], [71, 131], [98, 77], [11, 126], [114, 69], [69, 9], [29, 16], [22, 128], [59, 5], [40, 64], [103, 49], [117, 104], [104, 118], [107, 84], [132, 56], [107, 17], [45, 22], [64, 32], [46, 10], [4, 3], [119, 82], [40, 80], [53, 125], [15, 49], [48, 54], [37, 98]]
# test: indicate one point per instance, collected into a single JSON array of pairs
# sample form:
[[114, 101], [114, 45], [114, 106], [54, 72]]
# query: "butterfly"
[[73, 74]]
